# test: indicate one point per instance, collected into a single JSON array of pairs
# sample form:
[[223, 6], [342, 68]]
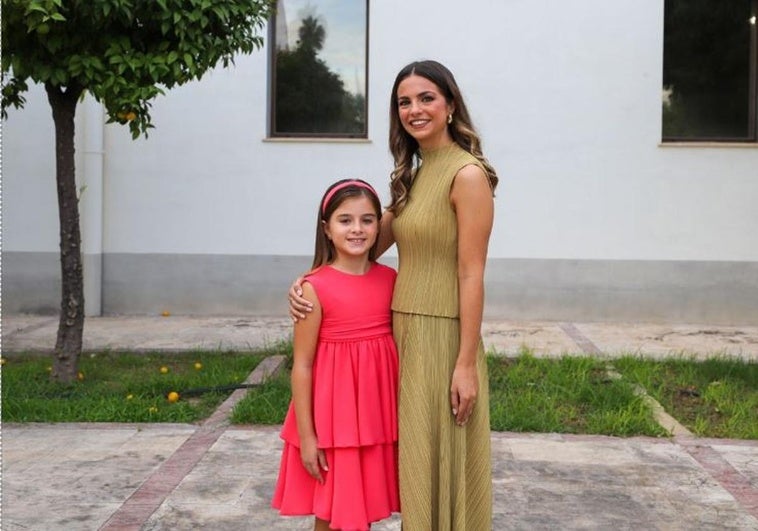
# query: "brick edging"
[[143, 502]]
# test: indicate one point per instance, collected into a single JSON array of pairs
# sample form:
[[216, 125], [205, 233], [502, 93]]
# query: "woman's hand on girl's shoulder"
[[299, 306]]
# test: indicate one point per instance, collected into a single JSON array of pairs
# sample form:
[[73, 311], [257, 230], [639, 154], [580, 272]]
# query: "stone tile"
[[694, 341], [232, 486], [74, 476], [743, 458], [542, 338]]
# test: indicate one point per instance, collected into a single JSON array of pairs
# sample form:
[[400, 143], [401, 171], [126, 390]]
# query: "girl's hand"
[[463, 390], [299, 306], [314, 459]]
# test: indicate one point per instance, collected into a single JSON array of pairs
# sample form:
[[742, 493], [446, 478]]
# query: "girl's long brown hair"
[[404, 147]]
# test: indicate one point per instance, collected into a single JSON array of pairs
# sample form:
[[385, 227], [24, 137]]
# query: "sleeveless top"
[[426, 233], [354, 307], [355, 366]]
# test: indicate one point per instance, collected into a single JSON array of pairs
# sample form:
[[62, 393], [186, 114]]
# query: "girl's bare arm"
[[304, 348]]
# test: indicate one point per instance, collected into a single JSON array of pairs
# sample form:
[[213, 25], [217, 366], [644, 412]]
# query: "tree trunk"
[[68, 345]]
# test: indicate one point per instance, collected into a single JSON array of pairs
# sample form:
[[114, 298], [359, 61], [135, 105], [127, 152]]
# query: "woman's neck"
[[439, 150], [431, 144]]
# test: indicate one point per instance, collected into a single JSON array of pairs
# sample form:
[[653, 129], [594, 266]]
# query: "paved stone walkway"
[[544, 338]]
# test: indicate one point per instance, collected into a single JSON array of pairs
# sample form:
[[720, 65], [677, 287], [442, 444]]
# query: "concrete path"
[[545, 338], [216, 476]]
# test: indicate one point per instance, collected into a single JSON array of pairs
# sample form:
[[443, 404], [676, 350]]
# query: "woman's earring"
[[450, 118]]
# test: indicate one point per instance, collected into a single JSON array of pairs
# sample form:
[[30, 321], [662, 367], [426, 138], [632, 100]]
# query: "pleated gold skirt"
[[445, 470]]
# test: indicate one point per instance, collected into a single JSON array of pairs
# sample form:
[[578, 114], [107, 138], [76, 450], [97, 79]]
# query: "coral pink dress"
[[355, 375]]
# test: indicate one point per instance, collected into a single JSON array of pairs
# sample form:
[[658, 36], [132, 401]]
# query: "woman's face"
[[423, 111]]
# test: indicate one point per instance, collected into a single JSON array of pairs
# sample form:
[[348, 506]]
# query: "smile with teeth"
[[418, 123]]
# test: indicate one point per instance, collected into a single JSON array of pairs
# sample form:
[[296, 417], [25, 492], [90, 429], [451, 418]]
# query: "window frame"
[[752, 113], [272, 134]]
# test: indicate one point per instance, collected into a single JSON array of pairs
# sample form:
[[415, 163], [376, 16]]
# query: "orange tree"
[[124, 53]]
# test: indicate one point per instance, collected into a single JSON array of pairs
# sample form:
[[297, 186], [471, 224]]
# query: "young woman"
[[339, 460], [440, 216]]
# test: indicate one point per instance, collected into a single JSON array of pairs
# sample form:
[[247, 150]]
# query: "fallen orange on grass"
[[172, 397], [198, 365], [164, 369]]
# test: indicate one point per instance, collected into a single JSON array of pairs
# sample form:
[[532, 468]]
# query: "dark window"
[[710, 68], [319, 69]]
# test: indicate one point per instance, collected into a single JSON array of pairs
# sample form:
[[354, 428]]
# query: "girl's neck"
[[352, 265]]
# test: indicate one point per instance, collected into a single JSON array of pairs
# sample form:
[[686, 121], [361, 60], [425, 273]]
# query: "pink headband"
[[359, 184]]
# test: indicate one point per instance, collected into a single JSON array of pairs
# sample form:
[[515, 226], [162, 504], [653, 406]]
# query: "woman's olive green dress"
[[445, 471]]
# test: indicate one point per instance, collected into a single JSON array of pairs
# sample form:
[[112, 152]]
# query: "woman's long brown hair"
[[404, 147]]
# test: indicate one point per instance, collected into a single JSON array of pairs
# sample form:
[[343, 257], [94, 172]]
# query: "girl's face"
[[423, 111], [353, 227]]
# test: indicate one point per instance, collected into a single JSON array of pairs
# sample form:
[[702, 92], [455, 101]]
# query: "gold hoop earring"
[[450, 118]]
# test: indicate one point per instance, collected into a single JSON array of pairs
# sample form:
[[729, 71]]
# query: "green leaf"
[[220, 13], [34, 6], [59, 76]]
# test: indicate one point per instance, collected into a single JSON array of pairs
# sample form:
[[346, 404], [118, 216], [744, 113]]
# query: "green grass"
[[570, 395], [266, 404], [712, 398], [566, 395], [121, 387]]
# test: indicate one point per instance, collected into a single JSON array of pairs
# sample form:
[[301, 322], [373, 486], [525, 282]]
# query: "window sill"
[[753, 145], [315, 140]]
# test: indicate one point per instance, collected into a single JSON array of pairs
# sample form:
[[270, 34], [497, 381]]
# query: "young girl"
[[339, 460]]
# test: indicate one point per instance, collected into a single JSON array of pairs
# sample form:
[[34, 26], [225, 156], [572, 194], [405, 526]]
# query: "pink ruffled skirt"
[[355, 415]]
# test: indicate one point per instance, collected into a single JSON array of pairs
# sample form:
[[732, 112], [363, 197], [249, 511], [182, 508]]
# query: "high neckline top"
[[426, 232]]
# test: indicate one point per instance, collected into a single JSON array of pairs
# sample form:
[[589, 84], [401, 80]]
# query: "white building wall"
[[594, 218]]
